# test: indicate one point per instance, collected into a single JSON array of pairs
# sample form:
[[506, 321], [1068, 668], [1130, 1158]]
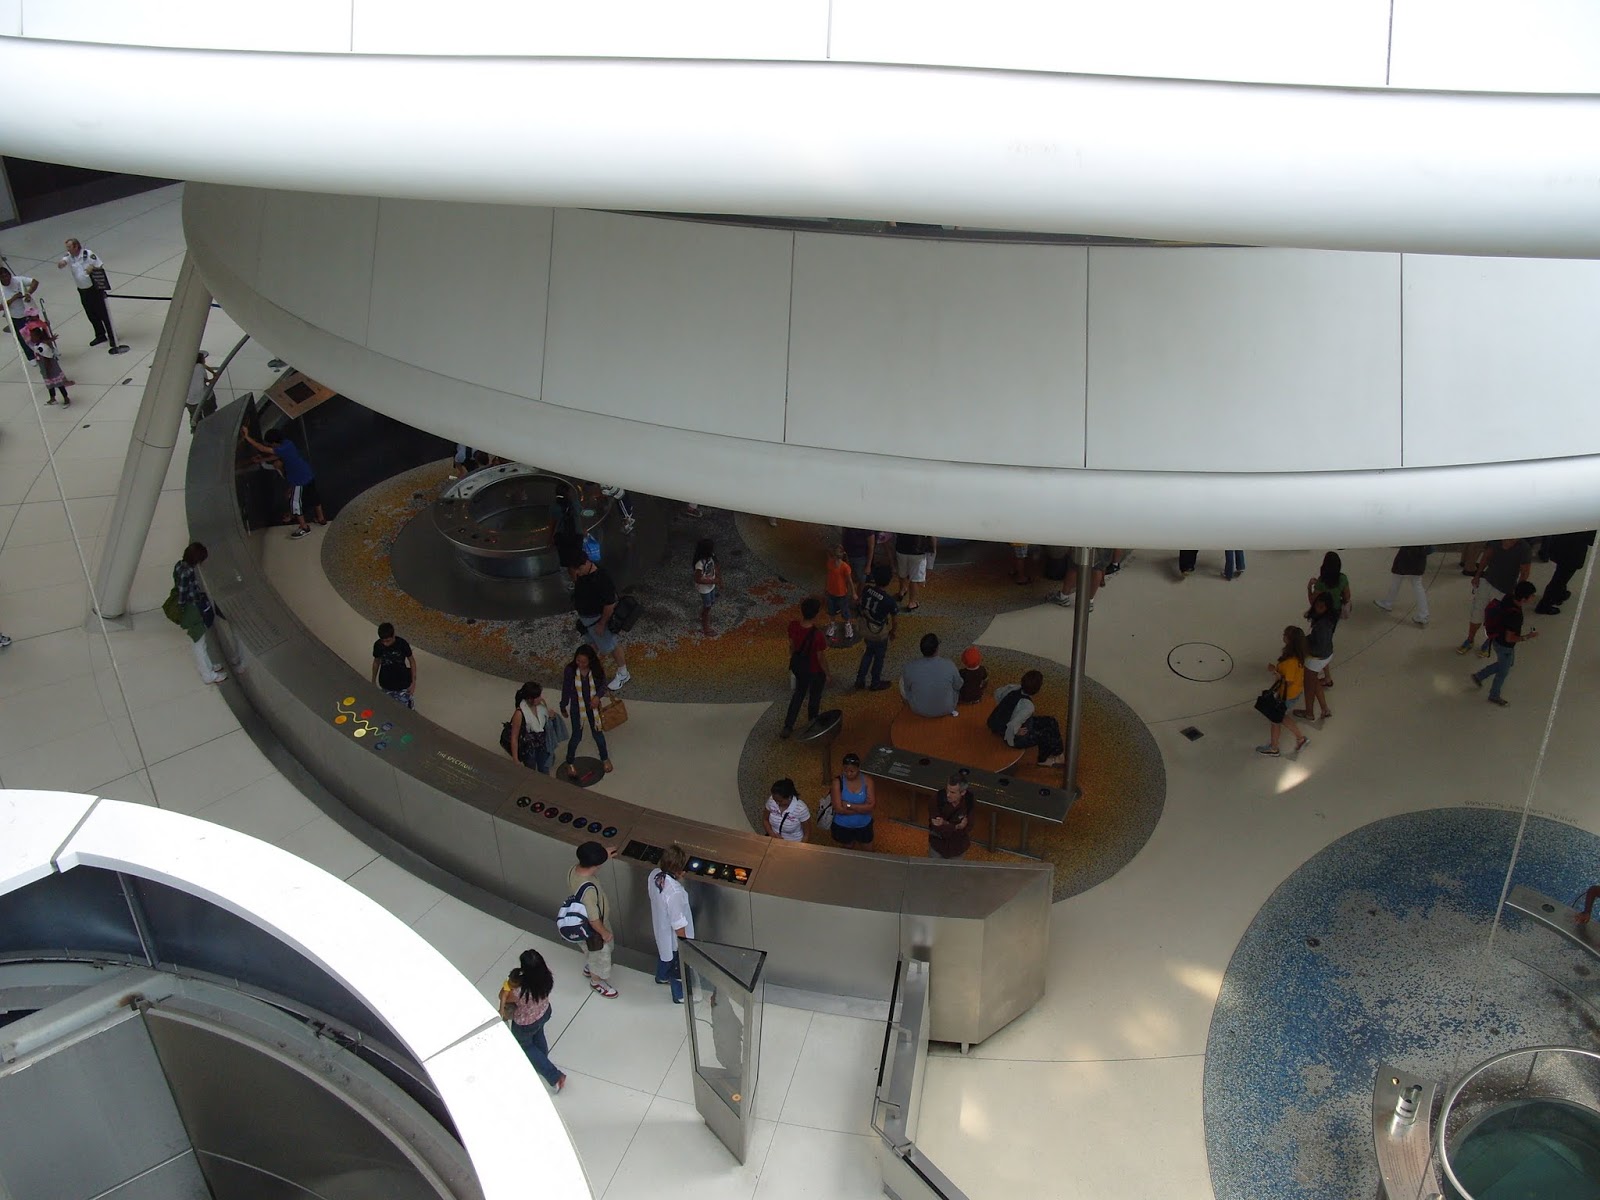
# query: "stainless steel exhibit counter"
[[831, 921]]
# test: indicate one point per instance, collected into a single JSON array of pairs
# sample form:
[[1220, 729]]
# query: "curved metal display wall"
[[831, 921], [1113, 395]]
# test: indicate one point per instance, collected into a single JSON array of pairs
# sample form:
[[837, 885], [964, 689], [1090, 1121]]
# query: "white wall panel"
[[442, 269], [229, 219], [1492, 45], [310, 25], [1502, 359], [938, 349], [1259, 41], [673, 322], [11, 18], [313, 251], [619, 29], [1243, 360]]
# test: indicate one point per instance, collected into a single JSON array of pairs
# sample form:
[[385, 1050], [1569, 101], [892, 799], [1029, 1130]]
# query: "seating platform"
[[996, 791]]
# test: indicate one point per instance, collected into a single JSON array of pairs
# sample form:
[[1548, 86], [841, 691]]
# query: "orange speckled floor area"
[[767, 569]]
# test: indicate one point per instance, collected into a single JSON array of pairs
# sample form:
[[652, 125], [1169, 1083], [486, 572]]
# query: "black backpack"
[[1001, 716]]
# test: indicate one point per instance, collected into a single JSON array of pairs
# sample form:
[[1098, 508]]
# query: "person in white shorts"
[[911, 551]]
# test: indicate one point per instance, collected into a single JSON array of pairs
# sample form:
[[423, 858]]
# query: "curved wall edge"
[[433, 1010], [1054, 506], [1265, 164]]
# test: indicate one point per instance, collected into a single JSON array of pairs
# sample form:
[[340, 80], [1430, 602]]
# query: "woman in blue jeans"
[[525, 1006], [582, 685]]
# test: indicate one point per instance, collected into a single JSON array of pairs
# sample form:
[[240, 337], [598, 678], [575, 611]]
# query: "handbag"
[[825, 812], [98, 277], [1271, 704], [612, 714], [170, 607]]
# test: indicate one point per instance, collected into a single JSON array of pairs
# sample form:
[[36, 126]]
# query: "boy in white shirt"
[[787, 814]]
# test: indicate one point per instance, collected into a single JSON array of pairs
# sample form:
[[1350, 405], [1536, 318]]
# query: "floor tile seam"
[[271, 841], [632, 1138], [667, 1070], [1000, 1058]]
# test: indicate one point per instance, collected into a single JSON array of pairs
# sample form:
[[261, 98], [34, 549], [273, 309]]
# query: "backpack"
[[572, 919], [1001, 716], [800, 660], [1494, 624], [591, 547], [624, 614]]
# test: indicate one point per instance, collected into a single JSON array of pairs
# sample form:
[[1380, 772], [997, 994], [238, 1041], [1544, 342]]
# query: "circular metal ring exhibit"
[[501, 520], [1528, 1118], [1202, 662]]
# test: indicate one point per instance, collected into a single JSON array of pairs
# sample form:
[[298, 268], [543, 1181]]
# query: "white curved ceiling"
[[1121, 395], [1363, 167]]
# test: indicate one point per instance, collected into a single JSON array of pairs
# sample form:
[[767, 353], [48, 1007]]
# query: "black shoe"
[[1545, 610], [861, 685], [1495, 700], [119, 350], [881, 685], [784, 733], [98, 341]]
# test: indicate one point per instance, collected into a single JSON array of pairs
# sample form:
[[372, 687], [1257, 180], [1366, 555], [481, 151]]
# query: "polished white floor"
[[1094, 1093]]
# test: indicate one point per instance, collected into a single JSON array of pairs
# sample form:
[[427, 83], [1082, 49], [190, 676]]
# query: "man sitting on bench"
[[1019, 725], [931, 684]]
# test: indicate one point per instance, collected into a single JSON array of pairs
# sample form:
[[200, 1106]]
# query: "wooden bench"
[[996, 791]]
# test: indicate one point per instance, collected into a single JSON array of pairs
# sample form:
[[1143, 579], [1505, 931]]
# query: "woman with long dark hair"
[[525, 1006], [582, 685], [1319, 654], [1332, 582], [528, 720], [1291, 672]]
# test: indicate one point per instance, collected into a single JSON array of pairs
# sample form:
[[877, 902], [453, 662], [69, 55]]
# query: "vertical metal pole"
[[155, 433], [1082, 558]]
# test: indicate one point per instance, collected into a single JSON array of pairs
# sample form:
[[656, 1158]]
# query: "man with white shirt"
[[80, 260], [18, 290]]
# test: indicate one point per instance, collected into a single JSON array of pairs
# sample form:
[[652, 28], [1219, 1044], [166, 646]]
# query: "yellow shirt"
[[1293, 672]]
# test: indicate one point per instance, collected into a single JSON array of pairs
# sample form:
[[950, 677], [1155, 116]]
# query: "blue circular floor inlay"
[[1374, 952]]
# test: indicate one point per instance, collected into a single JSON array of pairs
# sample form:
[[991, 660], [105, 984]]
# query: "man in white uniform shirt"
[[670, 917], [80, 260]]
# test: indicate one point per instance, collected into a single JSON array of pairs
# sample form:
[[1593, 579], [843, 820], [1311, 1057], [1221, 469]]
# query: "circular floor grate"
[[1200, 661]]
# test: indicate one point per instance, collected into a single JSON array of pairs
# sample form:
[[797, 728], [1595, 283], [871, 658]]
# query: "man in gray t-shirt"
[[1501, 566], [931, 684]]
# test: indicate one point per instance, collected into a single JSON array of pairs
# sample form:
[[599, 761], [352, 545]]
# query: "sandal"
[[1327, 714], [1301, 744], [1305, 713]]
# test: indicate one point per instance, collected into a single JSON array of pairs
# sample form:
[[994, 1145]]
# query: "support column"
[[155, 433], [1082, 559]]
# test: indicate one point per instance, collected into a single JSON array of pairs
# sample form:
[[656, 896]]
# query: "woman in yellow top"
[[1291, 672]]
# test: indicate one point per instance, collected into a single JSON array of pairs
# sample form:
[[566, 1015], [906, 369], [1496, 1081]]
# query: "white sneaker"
[[1064, 599], [1420, 622], [4, 641], [833, 632], [849, 631], [1382, 605], [622, 678]]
